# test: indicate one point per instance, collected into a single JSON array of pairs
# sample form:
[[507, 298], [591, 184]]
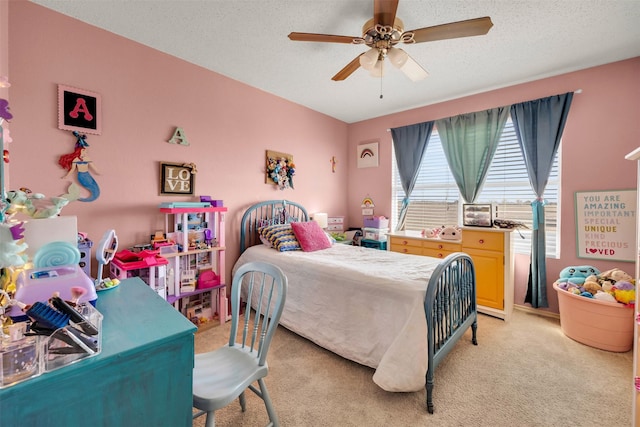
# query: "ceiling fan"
[[384, 31]]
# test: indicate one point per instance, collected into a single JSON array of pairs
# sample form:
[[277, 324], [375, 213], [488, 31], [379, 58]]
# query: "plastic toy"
[[105, 252], [34, 204], [10, 249]]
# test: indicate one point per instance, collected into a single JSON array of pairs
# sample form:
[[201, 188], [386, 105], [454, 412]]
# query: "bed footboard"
[[450, 308]]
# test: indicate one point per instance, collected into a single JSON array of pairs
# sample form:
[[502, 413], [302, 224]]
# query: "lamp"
[[322, 219]]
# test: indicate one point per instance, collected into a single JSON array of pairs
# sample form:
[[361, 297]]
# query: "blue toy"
[[577, 274]]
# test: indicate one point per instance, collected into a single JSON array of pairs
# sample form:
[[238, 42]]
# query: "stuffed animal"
[[592, 287], [624, 292], [451, 233], [431, 232], [604, 296], [36, 205], [616, 275], [577, 274]]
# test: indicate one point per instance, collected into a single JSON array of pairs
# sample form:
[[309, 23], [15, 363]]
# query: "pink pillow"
[[310, 236]]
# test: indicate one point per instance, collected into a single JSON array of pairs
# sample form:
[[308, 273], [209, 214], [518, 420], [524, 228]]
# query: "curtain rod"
[[575, 91]]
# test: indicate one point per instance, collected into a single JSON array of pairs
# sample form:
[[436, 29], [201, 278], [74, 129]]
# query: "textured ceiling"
[[247, 41]]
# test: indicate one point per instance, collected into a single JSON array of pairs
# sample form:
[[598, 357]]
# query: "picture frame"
[[477, 215], [606, 224], [177, 178], [79, 110], [368, 155]]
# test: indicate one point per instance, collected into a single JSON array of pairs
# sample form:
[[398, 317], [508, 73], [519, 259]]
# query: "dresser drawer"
[[442, 246], [435, 253], [403, 249], [483, 240], [405, 242], [335, 220], [335, 227]]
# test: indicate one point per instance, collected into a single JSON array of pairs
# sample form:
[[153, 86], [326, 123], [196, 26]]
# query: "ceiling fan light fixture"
[[368, 60], [398, 57], [378, 69]]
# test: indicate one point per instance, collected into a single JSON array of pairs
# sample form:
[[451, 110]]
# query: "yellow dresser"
[[491, 251]]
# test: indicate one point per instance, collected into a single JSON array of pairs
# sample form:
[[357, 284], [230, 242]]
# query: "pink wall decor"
[[79, 110], [280, 169]]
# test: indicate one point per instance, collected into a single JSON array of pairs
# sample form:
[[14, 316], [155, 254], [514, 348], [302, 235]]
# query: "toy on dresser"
[[445, 232]]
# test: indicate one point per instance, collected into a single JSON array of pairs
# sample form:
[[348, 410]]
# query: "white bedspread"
[[364, 304]]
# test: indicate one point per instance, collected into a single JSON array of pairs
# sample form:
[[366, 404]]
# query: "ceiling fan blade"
[[348, 69], [384, 12], [413, 70], [470, 27], [329, 38]]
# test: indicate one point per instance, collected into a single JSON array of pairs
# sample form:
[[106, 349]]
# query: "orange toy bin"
[[600, 324]]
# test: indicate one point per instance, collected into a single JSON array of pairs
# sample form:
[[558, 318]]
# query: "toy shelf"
[[194, 227], [172, 298]]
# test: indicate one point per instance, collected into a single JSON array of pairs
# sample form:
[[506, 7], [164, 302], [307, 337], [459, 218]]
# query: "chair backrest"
[[265, 291]]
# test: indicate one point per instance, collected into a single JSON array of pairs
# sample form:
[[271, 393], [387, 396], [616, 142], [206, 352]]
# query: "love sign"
[[606, 224], [177, 178]]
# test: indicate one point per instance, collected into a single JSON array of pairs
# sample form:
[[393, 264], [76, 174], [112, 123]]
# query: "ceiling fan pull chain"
[[381, 74]]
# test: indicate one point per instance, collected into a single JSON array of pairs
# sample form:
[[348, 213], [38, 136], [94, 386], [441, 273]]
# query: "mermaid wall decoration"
[[78, 161]]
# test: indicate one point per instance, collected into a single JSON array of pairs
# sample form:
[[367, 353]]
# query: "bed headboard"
[[276, 211]]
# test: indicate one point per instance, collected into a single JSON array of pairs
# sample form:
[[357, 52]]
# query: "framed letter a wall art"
[[79, 110], [368, 155]]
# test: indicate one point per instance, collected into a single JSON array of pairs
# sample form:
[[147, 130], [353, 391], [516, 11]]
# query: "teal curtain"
[[539, 125], [469, 142], [409, 144]]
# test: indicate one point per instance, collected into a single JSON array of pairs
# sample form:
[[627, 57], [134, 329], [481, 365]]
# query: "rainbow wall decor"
[[368, 155]]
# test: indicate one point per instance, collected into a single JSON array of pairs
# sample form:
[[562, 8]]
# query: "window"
[[436, 201]]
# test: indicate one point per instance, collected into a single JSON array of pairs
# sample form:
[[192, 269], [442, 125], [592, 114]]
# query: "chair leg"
[[211, 419], [267, 402], [243, 402]]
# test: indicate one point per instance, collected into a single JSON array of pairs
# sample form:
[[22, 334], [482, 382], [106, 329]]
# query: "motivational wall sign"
[[606, 224]]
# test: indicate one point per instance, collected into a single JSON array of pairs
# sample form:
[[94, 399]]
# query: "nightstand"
[[374, 244]]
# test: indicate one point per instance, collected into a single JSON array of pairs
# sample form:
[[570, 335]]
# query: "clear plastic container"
[[19, 360]]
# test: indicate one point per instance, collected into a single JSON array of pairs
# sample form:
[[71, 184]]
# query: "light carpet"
[[525, 372]]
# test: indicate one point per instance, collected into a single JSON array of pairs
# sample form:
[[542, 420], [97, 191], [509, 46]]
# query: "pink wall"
[[601, 129], [145, 95], [4, 60]]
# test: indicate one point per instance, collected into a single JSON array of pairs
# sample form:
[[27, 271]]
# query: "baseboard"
[[536, 311]]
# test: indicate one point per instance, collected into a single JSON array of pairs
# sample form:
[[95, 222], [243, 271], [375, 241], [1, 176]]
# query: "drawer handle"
[[404, 242], [440, 255], [439, 246], [404, 250], [481, 241]]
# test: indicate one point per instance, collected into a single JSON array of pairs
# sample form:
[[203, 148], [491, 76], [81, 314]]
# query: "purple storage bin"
[[376, 222]]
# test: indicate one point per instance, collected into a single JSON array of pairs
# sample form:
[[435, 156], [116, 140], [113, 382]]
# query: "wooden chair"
[[222, 375]]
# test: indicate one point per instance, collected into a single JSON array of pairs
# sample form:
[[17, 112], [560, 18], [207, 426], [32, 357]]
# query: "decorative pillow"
[[265, 241], [311, 236], [281, 237]]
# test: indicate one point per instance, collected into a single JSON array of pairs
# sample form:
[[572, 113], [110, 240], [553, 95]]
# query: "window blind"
[[436, 201]]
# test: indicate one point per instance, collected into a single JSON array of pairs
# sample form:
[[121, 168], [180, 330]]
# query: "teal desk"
[[142, 377]]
